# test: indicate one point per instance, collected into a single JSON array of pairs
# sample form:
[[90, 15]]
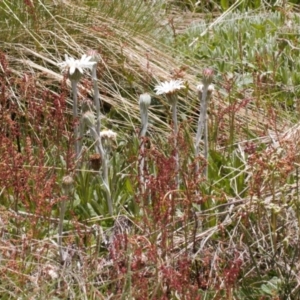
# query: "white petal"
[[72, 69]]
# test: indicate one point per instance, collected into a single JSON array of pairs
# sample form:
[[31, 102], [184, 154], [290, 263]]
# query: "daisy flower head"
[[108, 134], [109, 140], [75, 67], [169, 87]]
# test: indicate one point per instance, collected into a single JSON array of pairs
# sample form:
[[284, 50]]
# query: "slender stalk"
[[144, 102], [75, 115], [170, 90], [60, 228], [204, 93], [174, 117], [67, 188], [105, 179], [201, 123], [95, 130], [175, 124], [206, 147], [96, 97], [142, 158], [144, 119]]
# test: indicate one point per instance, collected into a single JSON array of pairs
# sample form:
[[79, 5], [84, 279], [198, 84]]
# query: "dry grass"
[[209, 244]]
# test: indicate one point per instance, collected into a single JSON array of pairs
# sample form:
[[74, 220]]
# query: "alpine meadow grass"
[[163, 164]]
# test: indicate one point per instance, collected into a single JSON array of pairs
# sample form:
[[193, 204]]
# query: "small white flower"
[[51, 271], [75, 64], [169, 87], [108, 134], [52, 274]]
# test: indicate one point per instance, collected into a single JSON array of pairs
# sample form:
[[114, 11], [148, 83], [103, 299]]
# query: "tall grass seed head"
[[75, 67]]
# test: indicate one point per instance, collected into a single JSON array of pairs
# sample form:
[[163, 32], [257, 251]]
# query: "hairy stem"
[[75, 115], [175, 124], [60, 228], [96, 97], [202, 126]]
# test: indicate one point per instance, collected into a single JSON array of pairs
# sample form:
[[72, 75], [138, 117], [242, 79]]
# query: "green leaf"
[[128, 186], [272, 286], [224, 4], [77, 200]]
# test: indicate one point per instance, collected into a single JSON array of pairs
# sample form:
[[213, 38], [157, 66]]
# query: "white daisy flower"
[[169, 87], [108, 134], [76, 66]]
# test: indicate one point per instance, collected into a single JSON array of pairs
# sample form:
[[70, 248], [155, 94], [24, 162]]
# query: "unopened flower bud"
[[67, 184], [95, 161], [145, 100], [208, 75], [88, 118]]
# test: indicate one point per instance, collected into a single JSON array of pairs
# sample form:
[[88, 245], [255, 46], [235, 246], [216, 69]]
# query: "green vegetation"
[[175, 231]]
